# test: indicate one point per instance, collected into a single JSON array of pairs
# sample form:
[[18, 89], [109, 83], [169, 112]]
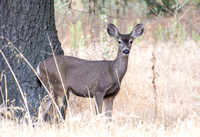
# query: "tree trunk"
[[26, 25]]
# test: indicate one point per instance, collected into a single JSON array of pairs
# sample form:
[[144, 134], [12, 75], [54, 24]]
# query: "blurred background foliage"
[[171, 41], [82, 23], [122, 6]]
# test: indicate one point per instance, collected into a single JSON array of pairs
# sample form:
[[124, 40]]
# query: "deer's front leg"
[[108, 105], [98, 99]]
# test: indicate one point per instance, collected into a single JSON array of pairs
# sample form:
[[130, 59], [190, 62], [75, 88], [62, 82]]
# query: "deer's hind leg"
[[44, 108], [61, 100], [64, 106]]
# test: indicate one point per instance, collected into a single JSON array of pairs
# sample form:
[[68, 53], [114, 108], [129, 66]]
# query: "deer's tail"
[[38, 72]]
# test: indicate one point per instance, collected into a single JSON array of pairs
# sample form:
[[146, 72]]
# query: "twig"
[[21, 55], [22, 94], [154, 83], [6, 95], [57, 67]]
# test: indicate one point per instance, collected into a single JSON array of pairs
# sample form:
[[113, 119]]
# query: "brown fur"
[[98, 79]]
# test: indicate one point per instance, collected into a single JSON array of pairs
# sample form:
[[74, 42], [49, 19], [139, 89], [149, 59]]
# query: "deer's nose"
[[125, 51]]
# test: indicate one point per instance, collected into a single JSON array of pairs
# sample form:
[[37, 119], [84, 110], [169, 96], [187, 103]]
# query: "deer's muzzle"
[[126, 51]]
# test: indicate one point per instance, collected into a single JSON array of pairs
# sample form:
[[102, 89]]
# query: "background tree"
[[26, 25]]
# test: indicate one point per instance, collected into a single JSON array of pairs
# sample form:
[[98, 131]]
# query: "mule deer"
[[98, 79]]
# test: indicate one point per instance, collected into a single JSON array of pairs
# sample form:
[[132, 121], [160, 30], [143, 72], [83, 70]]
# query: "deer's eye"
[[119, 42], [131, 42]]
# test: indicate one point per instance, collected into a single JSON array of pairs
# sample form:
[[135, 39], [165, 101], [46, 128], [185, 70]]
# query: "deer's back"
[[81, 76]]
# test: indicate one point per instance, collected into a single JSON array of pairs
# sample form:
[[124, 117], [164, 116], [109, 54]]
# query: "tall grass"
[[134, 109], [160, 102]]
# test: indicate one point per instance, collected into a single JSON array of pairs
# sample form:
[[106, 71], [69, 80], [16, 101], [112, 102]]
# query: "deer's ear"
[[112, 31], [137, 30]]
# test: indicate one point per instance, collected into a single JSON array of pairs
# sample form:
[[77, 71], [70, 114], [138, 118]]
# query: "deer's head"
[[125, 40]]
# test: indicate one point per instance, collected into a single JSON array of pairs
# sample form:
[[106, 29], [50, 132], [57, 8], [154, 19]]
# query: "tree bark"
[[25, 24]]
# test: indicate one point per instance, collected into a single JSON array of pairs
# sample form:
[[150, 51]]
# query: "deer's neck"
[[120, 65]]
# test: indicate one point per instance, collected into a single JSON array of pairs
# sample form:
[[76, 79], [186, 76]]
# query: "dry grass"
[[177, 83], [177, 88], [177, 92]]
